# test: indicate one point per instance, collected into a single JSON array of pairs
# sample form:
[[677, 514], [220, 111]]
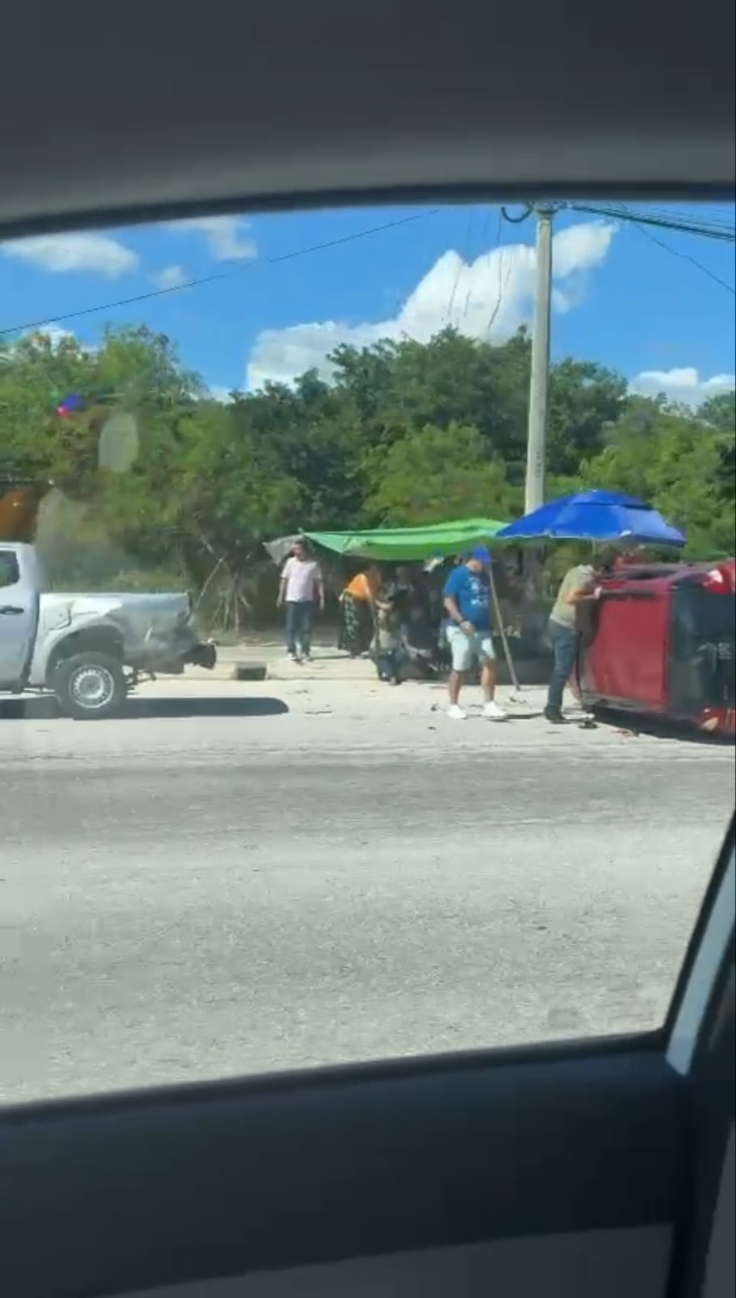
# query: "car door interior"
[[573, 1170], [590, 1169], [579, 1156]]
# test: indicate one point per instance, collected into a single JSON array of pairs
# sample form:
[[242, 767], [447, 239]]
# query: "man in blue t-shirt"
[[467, 597]]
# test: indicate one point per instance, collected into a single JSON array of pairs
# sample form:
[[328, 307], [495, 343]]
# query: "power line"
[[502, 283], [685, 256], [458, 273], [518, 220], [709, 229], [481, 245], [676, 252], [644, 222], [709, 224], [714, 216], [701, 222], [723, 233], [224, 274]]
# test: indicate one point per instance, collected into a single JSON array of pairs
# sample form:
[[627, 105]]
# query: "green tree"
[[585, 401], [434, 474], [673, 461], [397, 387], [36, 373], [720, 412], [403, 432]]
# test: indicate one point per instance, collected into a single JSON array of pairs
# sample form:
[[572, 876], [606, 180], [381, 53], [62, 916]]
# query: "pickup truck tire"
[[90, 686]]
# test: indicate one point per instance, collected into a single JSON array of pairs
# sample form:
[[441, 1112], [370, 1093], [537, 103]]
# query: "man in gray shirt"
[[579, 586]]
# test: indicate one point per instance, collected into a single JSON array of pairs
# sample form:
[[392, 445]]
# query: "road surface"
[[191, 896]]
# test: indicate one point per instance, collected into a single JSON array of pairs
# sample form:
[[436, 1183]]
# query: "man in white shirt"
[[301, 584]]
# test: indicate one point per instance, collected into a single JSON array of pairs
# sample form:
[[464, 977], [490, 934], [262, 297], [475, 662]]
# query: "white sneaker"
[[494, 713], [455, 712]]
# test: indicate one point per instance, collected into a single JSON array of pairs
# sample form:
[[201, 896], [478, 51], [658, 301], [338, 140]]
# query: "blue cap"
[[481, 553]]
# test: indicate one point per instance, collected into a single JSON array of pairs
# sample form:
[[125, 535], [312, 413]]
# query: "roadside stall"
[[429, 546]]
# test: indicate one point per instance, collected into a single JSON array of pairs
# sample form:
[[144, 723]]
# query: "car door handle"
[[11, 610]]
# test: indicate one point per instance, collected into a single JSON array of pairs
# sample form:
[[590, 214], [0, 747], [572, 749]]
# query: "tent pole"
[[502, 630]]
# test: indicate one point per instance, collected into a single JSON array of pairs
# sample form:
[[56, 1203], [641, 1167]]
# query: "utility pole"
[[539, 383]]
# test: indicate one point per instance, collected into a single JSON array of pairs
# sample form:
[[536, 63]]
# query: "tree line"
[[402, 433]]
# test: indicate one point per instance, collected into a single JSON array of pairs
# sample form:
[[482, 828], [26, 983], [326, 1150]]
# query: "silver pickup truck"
[[88, 650]]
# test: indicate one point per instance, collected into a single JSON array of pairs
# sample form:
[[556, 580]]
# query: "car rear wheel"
[[90, 686]]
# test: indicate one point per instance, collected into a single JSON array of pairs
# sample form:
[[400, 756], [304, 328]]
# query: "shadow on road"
[[137, 709], [633, 725]]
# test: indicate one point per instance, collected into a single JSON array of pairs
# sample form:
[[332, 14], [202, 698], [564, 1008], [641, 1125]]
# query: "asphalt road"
[[187, 905]]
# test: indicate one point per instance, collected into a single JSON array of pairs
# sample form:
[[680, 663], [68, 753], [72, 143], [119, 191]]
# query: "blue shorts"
[[466, 648]]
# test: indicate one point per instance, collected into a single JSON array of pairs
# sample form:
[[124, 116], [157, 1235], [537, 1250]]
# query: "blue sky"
[[619, 298]]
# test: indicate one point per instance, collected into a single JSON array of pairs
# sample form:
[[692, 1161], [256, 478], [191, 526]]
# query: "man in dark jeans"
[[301, 583], [580, 586]]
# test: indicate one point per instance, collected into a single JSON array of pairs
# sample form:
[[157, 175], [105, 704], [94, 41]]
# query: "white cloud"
[[224, 235], [581, 247], [485, 299], [170, 277], [53, 333], [681, 385], [219, 393], [61, 253]]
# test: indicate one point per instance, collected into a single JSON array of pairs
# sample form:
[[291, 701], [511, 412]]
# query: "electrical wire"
[[458, 273], [502, 283], [642, 228], [220, 275], [709, 227], [481, 246], [704, 219], [686, 256], [518, 220], [724, 233]]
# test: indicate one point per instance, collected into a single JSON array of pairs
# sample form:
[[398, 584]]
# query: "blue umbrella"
[[594, 516]]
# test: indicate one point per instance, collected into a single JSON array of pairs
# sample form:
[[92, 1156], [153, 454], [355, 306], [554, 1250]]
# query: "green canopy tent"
[[406, 544]]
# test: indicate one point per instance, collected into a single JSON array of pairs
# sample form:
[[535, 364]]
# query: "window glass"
[[357, 777], [8, 568]]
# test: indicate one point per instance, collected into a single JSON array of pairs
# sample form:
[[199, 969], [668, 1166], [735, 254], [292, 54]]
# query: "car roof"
[[109, 115]]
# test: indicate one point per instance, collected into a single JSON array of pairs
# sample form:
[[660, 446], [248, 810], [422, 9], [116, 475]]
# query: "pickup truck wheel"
[[90, 686]]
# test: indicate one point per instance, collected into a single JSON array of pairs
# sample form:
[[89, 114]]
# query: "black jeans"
[[564, 641], [299, 626]]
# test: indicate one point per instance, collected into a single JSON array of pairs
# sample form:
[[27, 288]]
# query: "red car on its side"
[[660, 642]]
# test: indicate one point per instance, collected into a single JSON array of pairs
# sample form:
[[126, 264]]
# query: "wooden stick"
[[216, 568], [504, 640]]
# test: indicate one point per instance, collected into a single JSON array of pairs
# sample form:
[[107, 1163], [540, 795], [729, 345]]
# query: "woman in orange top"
[[358, 609]]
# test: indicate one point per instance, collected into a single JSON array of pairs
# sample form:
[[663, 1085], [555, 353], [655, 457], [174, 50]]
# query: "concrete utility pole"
[[539, 385]]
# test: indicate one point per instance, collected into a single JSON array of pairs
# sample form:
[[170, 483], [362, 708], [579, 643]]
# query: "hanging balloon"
[[72, 404]]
